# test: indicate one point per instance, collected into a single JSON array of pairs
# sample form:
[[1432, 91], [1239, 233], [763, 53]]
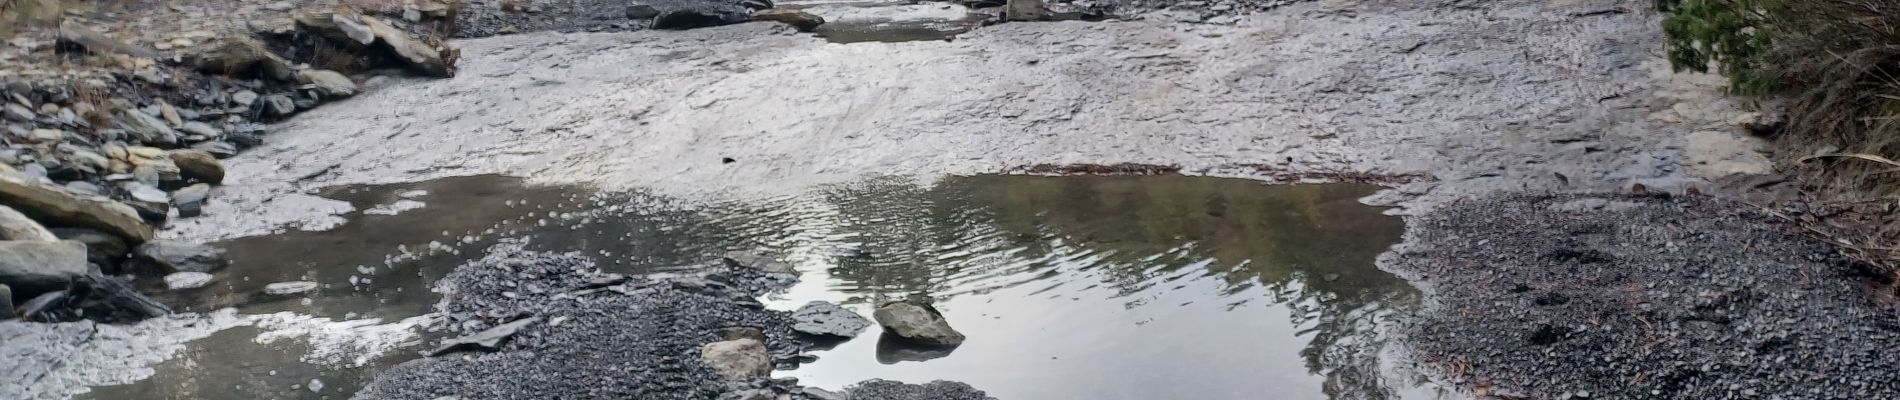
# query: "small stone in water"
[[187, 280], [316, 386], [284, 288]]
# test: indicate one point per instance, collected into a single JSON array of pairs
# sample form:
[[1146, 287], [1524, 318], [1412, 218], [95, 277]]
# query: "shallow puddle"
[[1068, 287], [886, 21], [1163, 287]]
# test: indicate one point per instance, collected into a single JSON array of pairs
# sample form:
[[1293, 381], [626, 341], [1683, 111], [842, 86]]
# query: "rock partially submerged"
[[618, 337], [828, 319], [58, 206], [488, 340], [743, 259], [187, 280], [166, 256], [892, 349], [917, 323]]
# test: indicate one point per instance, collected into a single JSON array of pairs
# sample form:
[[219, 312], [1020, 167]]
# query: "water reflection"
[[1119, 287]]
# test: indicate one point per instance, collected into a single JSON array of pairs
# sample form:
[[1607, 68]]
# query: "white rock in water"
[[187, 280], [288, 288], [316, 386]]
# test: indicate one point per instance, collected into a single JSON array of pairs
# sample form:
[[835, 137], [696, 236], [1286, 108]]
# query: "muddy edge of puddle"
[[897, 224]]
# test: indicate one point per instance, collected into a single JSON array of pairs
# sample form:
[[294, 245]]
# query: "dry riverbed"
[[863, 166]]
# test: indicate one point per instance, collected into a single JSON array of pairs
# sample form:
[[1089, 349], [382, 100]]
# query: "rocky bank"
[[1644, 297], [117, 116]]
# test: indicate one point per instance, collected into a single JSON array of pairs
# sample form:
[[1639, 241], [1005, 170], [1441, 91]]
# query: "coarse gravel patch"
[[1643, 297]]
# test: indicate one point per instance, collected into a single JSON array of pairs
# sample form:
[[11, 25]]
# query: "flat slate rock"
[[488, 340], [828, 319]]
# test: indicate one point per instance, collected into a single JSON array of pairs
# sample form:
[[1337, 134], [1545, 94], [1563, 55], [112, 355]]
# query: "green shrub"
[[1836, 63], [1735, 35]]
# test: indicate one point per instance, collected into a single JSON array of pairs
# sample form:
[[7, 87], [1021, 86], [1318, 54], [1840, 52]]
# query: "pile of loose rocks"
[[113, 123], [1644, 297], [537, 325]]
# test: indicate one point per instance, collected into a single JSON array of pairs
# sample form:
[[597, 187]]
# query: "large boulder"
[[737, 359], [917, 323], [166, 256], [892, 349], [56, 206], [290, 288], [197, 165], [824, 318], [16, 226], [32, 268]]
